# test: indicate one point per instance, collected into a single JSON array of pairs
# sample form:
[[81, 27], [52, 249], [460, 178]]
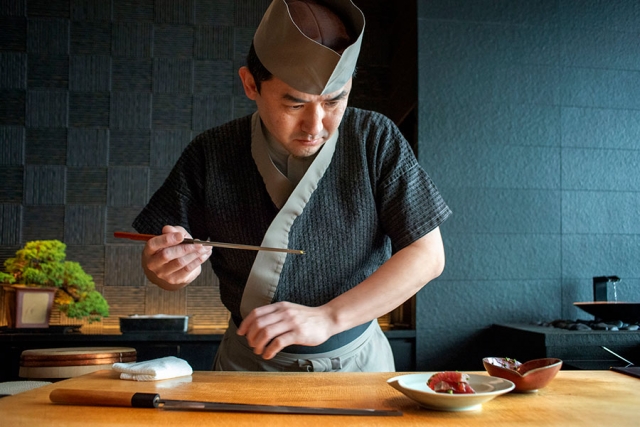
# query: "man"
[[304, 172]]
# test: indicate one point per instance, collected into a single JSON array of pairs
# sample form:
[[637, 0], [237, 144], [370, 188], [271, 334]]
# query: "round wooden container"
[[58, 363]]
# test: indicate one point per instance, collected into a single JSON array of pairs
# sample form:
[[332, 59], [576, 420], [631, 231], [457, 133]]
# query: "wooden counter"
[[574, 398]]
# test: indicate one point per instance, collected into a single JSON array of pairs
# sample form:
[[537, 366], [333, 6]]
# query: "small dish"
[[529, 376], [154, 323], [415, 387]]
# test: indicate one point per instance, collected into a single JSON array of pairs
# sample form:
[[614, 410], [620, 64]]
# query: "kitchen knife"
[[152, 400], [145, 237]]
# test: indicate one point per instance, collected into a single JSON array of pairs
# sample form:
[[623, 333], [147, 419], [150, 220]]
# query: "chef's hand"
[[169, 264], [271, 328]]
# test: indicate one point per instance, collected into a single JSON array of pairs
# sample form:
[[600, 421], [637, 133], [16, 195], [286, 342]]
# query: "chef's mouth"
[[310, 139], [311, 143]]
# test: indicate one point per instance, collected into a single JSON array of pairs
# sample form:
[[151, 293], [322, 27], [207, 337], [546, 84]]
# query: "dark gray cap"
[[310, 45]]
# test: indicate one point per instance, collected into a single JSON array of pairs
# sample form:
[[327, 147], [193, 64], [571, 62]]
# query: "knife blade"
[[153, 400], [145, 237]]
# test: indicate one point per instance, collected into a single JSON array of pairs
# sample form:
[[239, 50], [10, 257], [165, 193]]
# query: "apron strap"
[[265, 273]]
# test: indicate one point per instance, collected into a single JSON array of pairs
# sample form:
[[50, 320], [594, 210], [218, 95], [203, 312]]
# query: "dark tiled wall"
[[98, 99], [529, 123]]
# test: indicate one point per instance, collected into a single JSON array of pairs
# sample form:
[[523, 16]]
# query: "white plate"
[[415, 387]]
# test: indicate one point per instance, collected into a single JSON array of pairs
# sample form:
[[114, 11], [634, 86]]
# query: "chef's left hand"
[[272, 327]]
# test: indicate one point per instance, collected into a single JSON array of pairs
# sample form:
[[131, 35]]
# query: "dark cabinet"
[[577, 349], [199, 349]]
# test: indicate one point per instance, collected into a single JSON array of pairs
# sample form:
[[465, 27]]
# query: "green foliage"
[[93, 306], [7, 278], [42, 263]]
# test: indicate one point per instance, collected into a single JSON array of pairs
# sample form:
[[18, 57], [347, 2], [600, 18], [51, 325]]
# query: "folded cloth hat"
[[153, 370], [312, 46]]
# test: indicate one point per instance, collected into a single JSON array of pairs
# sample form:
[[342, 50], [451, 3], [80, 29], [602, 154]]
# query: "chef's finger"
[[176, 229], [248, 326], [170, 260], [277, 345], [256, 313], [274, 337]]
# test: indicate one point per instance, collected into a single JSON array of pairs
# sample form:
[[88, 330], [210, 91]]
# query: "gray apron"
[[370, 352], [234, 352]]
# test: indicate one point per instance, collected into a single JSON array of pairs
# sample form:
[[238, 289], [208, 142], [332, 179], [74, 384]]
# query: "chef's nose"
[[312, 121]]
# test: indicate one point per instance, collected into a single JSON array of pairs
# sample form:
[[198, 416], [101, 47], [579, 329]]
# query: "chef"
[[304, 172]]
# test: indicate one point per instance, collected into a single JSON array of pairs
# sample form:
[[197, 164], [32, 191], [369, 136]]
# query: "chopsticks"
[[145, 237]]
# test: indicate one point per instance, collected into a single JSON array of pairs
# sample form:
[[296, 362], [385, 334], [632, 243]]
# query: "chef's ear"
[[248, 83]]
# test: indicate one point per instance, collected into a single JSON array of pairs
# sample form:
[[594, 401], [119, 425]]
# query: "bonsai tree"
[[42, 263]]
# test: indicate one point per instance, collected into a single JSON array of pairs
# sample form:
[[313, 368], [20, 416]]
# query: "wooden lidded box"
[[59, 363]]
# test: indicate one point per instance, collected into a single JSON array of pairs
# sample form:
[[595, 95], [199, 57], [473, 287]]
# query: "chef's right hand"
[[169, 264]]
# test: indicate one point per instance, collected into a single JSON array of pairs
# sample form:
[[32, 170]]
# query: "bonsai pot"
[[28, 306]]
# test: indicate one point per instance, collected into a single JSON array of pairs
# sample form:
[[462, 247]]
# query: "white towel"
[[153, 370]]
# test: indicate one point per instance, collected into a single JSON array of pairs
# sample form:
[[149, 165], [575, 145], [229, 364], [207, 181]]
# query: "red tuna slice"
[[450, 382]]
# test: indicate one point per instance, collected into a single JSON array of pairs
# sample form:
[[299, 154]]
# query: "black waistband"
[[336, 341]]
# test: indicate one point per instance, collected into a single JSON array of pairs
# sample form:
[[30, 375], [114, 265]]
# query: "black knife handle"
[[145, 400]]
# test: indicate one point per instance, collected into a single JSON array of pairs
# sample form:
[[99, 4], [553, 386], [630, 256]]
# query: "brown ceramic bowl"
[[529, 376]]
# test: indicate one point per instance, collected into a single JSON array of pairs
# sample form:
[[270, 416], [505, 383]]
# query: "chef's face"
[[301, 122]]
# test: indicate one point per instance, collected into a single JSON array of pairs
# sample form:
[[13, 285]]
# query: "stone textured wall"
[[98, 99], [529, 123]]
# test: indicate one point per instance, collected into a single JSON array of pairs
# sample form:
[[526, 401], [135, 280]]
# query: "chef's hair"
[[258, 71]]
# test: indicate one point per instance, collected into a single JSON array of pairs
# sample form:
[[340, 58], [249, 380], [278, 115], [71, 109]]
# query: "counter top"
[[574, 398], [70, 335], [197, 334], [562, 337]]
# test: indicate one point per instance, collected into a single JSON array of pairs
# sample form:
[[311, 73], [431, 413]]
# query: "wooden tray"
[[53, 363]]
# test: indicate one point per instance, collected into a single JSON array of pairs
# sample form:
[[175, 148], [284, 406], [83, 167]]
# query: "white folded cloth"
[[153, 370]]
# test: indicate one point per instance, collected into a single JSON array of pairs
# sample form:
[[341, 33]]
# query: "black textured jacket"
[[373, 199]]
